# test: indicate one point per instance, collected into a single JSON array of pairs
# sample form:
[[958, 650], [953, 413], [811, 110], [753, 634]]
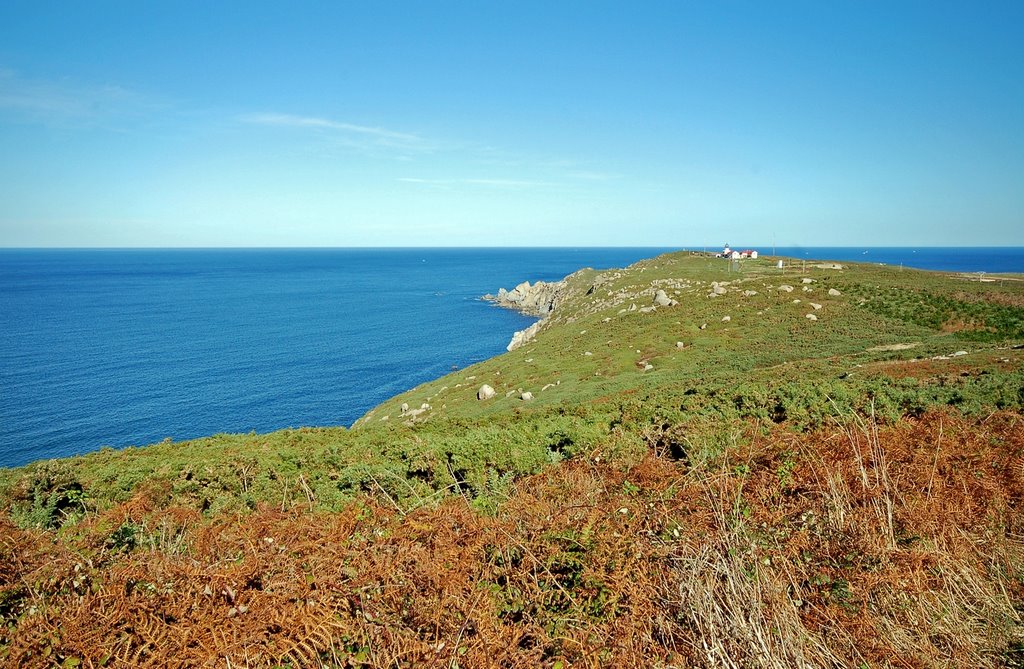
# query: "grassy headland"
[[722, 482]]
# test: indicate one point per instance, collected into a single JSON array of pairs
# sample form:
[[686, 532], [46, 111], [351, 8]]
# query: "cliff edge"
[[538, 299]]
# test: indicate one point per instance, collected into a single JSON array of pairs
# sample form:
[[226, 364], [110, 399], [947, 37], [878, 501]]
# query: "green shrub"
[[47, 495]]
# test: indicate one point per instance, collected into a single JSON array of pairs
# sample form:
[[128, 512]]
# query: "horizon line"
[[701, 247]]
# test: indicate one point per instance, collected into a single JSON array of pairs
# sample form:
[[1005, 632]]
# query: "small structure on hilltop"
[[728, 252]]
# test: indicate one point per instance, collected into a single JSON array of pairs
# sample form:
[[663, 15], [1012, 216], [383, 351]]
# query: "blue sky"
[[511, 124]]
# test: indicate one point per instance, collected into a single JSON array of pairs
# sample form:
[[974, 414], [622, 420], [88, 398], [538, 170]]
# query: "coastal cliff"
[[538, 299]]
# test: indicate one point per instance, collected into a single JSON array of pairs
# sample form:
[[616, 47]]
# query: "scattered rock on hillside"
[[726, 319], [485, 392], [749, 293], [527, 396], [833, 292], [787, 288], [806, 280], [680, 344], [663, 300], [814, 306], [811, 317]]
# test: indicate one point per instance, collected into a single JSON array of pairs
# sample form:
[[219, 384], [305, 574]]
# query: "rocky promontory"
[[537, 299]]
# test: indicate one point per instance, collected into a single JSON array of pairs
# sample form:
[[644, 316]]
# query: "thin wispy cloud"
[[333, 134], [314, 122], [486, 183], [594, 176], [375, 135], [64, 100]]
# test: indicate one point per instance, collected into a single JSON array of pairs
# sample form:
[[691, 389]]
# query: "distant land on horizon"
[[689, 247]]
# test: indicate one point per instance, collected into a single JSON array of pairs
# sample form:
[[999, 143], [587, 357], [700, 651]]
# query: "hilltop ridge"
[[821, 320], [682, 465]]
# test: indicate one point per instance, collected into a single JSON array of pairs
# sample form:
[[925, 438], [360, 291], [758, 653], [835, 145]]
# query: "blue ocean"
[[128, 347]]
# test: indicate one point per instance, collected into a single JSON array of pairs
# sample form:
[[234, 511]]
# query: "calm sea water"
[[120, 347]]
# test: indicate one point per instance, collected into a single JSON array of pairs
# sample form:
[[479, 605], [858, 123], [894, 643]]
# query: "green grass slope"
[[595, 347]]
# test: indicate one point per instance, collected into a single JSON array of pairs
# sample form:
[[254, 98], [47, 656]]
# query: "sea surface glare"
[[122, 347]]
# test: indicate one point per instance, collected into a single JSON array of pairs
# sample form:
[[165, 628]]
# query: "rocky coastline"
[[538, 299]]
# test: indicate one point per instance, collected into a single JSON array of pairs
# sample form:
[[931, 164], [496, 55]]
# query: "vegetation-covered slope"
[[684, 489]]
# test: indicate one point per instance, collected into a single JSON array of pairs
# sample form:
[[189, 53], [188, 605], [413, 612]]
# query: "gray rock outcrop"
[[485, 392], [538, 299], [522, 336]]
